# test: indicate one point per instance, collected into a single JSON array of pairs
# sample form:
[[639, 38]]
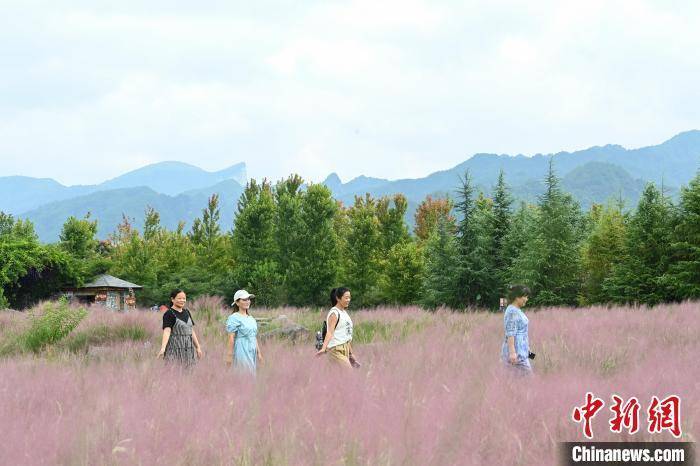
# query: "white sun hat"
[[241, 294]]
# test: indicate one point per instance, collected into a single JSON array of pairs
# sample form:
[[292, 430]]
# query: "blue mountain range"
[[179, 191]]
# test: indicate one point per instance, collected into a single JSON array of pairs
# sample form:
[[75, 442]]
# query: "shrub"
[[57, 320]]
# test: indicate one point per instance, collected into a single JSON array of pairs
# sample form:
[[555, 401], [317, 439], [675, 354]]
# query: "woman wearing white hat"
[[242, 349]]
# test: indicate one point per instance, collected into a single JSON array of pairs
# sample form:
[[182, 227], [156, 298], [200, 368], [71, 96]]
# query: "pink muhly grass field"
[[438, 395]]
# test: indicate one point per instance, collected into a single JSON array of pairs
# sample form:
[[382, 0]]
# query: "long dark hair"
[[337, 293], [517, 291]]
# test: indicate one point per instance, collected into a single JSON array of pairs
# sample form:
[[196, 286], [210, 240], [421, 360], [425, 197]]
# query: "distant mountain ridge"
[[109, 207], [673, 163], [171, 178], [179, 191]]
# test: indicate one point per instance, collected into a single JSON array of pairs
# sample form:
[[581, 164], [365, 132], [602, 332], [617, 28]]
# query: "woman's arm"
[[164, 342], [229, 348], [330, 330], [512, 355], [197, 345], [257, 346], [510, 322]]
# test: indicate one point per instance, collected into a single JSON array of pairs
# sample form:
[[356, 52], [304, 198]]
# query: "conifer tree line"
[[291, 243]]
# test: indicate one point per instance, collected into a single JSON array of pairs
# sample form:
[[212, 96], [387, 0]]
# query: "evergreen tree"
[[550, 261], [476, 274], [483, 256], [253, 244], [602, 250], [684, 273], [361, 269], [501, 217], [638, 276], [289, 231], [314, 268], [467, 284], [441, 268], [212, 261], [522, 227], [402, 282]]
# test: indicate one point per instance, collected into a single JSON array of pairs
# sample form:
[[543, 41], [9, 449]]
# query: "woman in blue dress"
[[243, 351], [516, 345]]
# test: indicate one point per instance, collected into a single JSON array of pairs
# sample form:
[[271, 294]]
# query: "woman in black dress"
[[179, 339]]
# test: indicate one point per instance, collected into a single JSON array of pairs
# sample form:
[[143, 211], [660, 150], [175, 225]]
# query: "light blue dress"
[[245, 348], [516, 325]]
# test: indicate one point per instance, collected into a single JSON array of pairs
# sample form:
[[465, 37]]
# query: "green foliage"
[[362, 267], [482, 260], [371, 331], [19, 252], [402, 282], [253, 244], [684, 272], [522, 225], [602, 251], [550, 260], [56, 270], [160, 260], [502, 219], [313, 269], [639, 275], [477, 281], [105, 334], [467, 286], [208, 273], [289, 231], [292, 243], [441, 268], [49, 327], [392, 227], [78, 237], [429, 214], [30, 271]]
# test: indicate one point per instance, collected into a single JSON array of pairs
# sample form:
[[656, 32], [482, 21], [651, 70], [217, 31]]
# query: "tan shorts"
[[340, 354]]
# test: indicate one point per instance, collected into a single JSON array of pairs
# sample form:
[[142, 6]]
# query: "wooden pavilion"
[[112, 292]]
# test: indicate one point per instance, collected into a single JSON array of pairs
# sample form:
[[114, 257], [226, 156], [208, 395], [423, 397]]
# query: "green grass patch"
[[104, 335], [9, 345], [374, 330], [51, 326]]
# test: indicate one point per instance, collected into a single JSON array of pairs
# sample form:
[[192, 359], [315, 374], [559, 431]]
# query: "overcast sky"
[[391, 89]]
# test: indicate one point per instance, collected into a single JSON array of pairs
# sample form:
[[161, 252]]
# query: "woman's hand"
[[161, 354], [321, 351], [228, 363], [261, 360], [513, 358], [200, 353]]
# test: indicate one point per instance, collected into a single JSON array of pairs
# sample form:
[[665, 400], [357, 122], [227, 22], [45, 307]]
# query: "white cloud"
[[389, 89]]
